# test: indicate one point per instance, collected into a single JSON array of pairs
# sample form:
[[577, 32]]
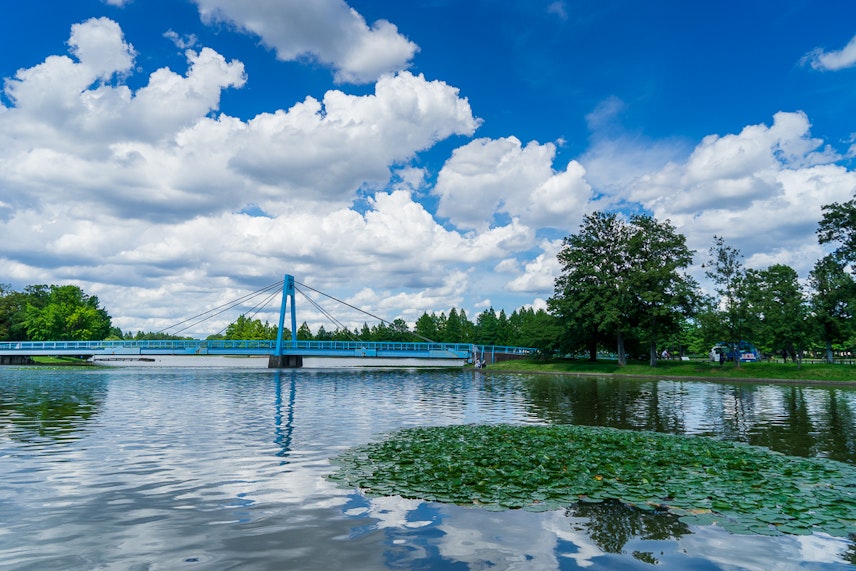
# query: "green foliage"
[[63, 313], [43, 312], [12, 305], [525, 327], [832, 302], [487, 328], [427, 327], [688, 338], [246, 329], [838, 226], [153, 336], [303, 332], [664, 295], [590, 295], [538, 329], [399, 331], [453, 332], [780, 309], [730, 319], [742, 488], [622, 279]]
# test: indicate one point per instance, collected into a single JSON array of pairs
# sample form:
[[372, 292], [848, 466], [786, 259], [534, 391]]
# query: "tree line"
[[624, 288], [525, 327]]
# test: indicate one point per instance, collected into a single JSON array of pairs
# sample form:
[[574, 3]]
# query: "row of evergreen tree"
[[525, 327]]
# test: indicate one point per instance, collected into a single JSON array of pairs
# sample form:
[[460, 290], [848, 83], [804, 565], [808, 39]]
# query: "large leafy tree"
[[246, 328], [454, 330], [838, 226], [64, 313], [399, 331], [468, 328], [732, 319], [304, 333], [620, 277], [832, 302], [663, 294], [426, 327], [779, 306], [590, 295], [487, 328], [12, 306]]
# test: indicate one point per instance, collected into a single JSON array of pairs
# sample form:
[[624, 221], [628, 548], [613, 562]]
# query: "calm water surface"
[[225, 469]]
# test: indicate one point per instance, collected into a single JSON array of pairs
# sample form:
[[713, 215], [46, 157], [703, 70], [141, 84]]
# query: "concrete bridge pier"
[[285, 361], [16, 360]]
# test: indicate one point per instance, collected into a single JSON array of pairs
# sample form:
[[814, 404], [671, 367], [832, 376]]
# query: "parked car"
[[745, 351]]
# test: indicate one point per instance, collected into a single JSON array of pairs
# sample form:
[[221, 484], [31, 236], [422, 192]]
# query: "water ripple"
[[219, 469]]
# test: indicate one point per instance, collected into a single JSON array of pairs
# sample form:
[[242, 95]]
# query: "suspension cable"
[[327, 314], [344, 303], [254, 310], [394, 326], [223, 308], [213, 312], [261, 305]]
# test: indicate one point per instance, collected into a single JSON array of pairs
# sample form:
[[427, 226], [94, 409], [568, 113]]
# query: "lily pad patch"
[[742, 488]]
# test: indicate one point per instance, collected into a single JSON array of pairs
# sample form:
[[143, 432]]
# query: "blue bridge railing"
[[251, 347]]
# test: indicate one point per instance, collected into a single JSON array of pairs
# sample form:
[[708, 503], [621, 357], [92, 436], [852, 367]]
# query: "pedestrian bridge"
[[280, 353], [293, 354]]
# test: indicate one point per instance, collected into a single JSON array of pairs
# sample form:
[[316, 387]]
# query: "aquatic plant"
[[745, 489]]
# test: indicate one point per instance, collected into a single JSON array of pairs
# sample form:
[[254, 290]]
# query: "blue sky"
[[168, 156]]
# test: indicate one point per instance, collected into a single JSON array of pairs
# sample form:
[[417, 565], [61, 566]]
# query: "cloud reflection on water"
[[517, 539]]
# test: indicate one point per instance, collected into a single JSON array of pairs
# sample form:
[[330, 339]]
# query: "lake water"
[[145, 469]]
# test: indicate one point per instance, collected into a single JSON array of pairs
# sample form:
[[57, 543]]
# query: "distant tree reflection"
[[839, 436], [52, 406], [591, 401], [793, 420]]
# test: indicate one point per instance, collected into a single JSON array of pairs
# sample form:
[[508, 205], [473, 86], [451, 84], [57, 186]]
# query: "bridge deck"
[[255, 347]]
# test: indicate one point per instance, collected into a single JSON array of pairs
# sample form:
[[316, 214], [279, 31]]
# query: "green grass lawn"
[[59, 361], [697, 368]]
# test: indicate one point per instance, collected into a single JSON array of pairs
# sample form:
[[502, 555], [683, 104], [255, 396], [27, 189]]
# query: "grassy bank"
[[808, 372], [61, 361]]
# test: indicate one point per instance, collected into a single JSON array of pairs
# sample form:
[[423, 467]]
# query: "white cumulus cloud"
[[328, 31], [762, 189], [488, 177], [539, 274], [126, 191]]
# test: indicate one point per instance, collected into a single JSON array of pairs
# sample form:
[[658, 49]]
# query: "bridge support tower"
[[278, 360]]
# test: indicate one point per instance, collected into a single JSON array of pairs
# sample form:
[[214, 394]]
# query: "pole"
[[287, 292], [290, 280]]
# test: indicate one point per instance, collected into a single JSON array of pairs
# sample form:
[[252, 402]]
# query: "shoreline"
[[500, 370], [746, 380]]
